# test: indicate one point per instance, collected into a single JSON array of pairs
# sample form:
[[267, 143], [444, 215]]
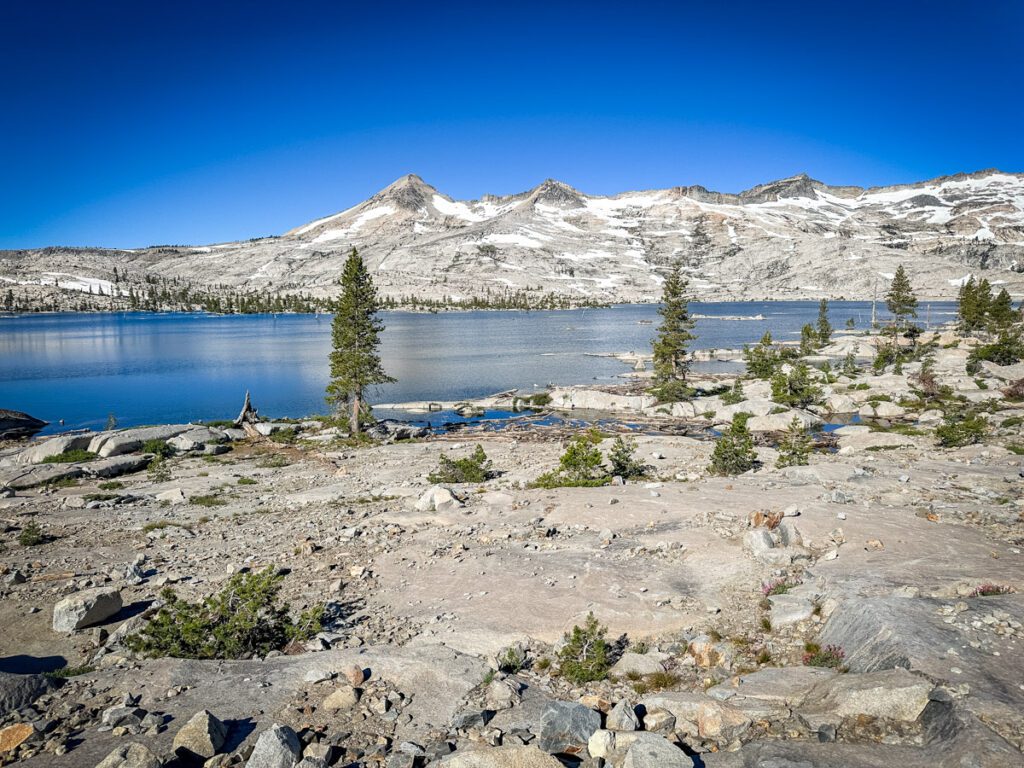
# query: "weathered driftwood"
[[249, 415]]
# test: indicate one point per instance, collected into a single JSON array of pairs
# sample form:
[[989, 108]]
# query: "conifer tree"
[[1000, 312], [355, 332], [900, 299], [670, 364], [824, 326]]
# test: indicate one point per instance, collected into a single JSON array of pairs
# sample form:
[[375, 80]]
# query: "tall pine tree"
[[355, 336], [900, 299], [670, 363], [824, 326]]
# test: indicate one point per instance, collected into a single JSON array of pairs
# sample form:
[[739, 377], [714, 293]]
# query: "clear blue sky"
[[132, 123]]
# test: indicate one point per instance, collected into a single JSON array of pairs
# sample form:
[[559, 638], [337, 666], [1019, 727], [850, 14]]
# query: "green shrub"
[[70, 457], [579, 466], [511, 660], [808, 339], [795, 389], [734, 395], [246, 481], [623, 460], [159, 470], [158, 448], [207, 500], [831, 656], [475, 468], [243, 619], [111, 485], [584, 655], [31, 535], [850, 368], [762, 359], [539, 399], [960, 429], [795, 446], [65, 672], [285, 436], [1007, 349], [734, 450]]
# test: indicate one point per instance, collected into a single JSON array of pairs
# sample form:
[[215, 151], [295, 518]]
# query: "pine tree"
[[967, 305], [824, 326], [795, 446], [670, 364], [808, 339], [900, 299], [734, 451], [355, 332], [1000, 312]]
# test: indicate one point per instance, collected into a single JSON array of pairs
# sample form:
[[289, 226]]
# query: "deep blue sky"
[[132, 123]]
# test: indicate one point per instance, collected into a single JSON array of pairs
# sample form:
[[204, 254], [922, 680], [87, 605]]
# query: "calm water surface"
[[161, 368]]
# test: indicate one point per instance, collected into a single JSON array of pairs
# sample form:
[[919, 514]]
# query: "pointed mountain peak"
[[409, 192], [554, 192], [800, 185]]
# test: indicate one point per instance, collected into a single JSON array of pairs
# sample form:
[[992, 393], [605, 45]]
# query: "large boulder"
[[116, 466], [107, 444], [656, 753], [639, 664], [890, 695], [437, 498], [38, 452], [130, 756], [598, 400], [565, 727], [775, 688], [21, 478], [86, 608], [699, 716], [501, 757], [277, 747], [18, 690], [779, 422], [15, 424], [202, 736]]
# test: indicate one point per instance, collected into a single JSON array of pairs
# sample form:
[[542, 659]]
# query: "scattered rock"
[[202, 736], [86, 608]]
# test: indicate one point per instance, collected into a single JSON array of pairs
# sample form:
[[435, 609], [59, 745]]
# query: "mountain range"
[[787, 239]]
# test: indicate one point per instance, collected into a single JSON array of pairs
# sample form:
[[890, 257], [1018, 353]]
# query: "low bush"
[[511, 660], [734, 395], [111, 485], [584, 655], [961, 428], [831, 656], [778, 587], [31, 534], [247, 481], [580, 466], [538, 399], [207, 500], [158, 448], [244, 619], [762, 359], [475, 468], [624, 463], [1007, 349], [70, 457]]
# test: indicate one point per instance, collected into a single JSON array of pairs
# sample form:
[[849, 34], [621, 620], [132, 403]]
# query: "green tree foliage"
[[900, 300], [972, 304], [243, 619], [763, 358], [355, 337], [824, 326], [795, 446], [583, 657], [31, 534], [850, 368], [579, 466], [624, 463], [808, 340], [1001, 314], [475, 468], [1006, 349], [796, 388], [961, 427], [670, 345], [735, 394], [734, 450]]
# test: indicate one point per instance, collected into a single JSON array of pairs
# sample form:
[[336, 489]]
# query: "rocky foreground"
[[900, 557]]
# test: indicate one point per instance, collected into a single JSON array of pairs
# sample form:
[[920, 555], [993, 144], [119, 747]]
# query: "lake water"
[[163, 368]]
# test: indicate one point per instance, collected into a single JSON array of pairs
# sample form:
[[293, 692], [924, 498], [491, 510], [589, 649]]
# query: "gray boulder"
[[656, 753], [108, 444], [15, 424], [18, 690], [85, 608], [38, 452], [130, 756], [202, 736], [891, 695], [277, 747], [623, 717], [117, 466], [21, 478], [501, 757], [566, 726]]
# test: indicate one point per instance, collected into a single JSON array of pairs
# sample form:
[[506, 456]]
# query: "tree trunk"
[[353, 424]]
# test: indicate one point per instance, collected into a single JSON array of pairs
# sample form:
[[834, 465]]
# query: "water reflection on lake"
[[157, 368]]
